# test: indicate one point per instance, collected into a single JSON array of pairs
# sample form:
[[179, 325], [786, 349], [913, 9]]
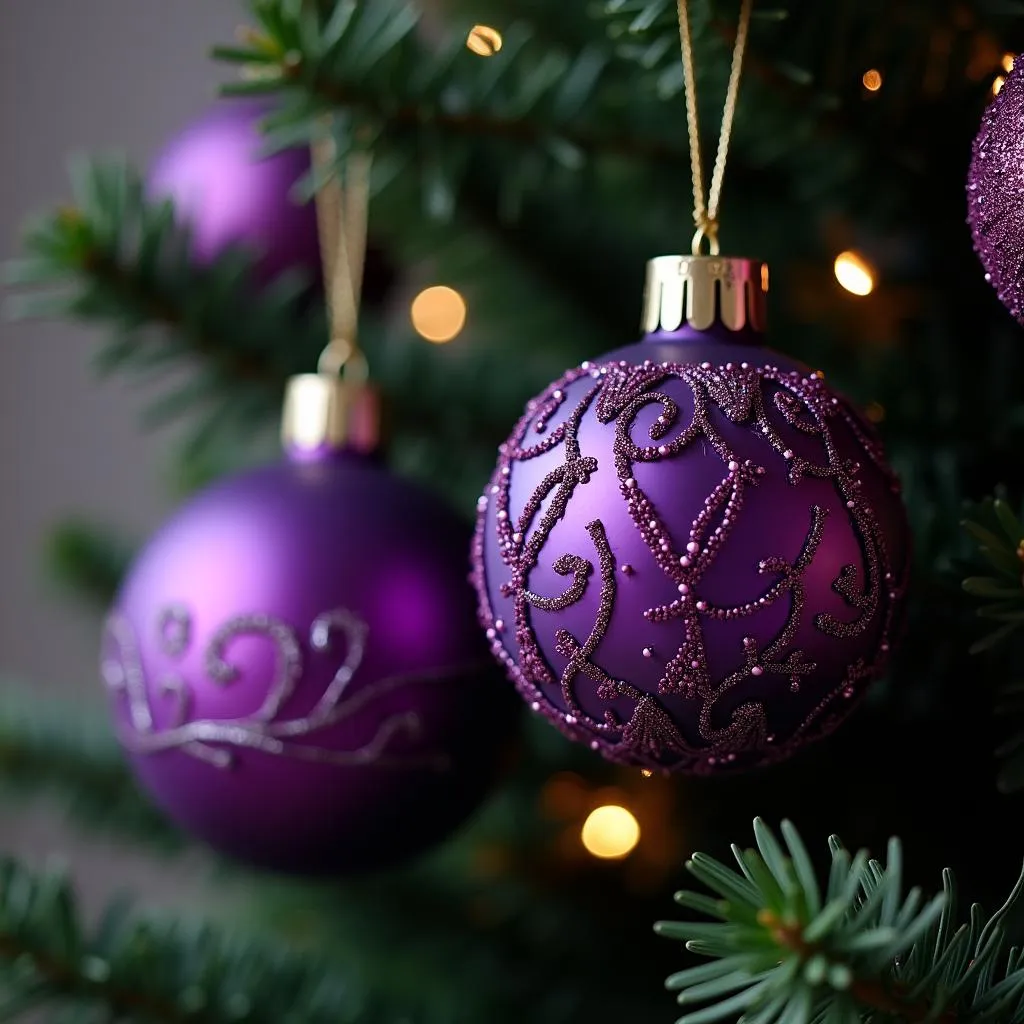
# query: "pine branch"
[[71, 754], [432, 106], [999, 536], [787, 950], [133, 970], [121, 262]]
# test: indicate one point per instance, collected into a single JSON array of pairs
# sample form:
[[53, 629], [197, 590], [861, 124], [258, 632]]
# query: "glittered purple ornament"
[[231, 194], [692, 555], [296, 670], [995, 193]]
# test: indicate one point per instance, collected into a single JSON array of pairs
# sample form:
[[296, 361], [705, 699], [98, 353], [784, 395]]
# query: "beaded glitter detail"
[[649, 734], [216, 742]]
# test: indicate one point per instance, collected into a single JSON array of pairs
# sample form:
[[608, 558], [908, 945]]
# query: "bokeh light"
[[854, 274], [484, 41], [438, 313], [872, 80], [610, 832]]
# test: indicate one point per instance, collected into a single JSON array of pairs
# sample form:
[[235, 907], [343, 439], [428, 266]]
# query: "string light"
[[854, 274], [997, 84], [1007, 62], [438, 313], [610, 832], [484, 41], [872, 80]]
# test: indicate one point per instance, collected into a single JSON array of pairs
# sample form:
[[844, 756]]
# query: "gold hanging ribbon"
[[342, 209], [705, 211]]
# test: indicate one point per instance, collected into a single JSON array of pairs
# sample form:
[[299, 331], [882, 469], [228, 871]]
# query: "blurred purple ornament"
[[995, 193], [692, 555], [229, 193], [296, 670]]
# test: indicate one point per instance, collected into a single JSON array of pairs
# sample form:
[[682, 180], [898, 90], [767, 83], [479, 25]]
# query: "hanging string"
[[705, 210], [342, 207]]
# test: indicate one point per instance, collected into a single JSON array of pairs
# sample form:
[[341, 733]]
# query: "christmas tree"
[[522, 161]]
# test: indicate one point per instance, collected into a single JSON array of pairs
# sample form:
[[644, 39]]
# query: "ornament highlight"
[[293, 661], [692, 554]]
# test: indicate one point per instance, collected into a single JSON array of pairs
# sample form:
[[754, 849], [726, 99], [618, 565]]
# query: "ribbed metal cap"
[[704, 290], [326, 412]]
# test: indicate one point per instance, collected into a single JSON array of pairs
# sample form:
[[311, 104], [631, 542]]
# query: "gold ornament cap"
[[703, 291], [325, 412]]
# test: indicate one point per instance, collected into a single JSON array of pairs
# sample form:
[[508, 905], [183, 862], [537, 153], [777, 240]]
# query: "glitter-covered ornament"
[[230, 193], [692, 554], [995, 193], [294, 663]]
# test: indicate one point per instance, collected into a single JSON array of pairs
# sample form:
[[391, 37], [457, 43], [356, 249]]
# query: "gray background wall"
[[79, 76]]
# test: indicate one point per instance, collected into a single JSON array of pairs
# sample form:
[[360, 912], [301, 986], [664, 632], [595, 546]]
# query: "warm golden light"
[[1007, 62], [483, 40], [872, 80], [438, 313], [997, 84], [854, 274], [646, 772], [610, 832]]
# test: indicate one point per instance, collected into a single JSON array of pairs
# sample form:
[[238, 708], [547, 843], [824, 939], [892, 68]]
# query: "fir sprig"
[[1001, 544], [788, 950], [69, 752], [999, 536], [130, 969], [429, 104], [118, 260]]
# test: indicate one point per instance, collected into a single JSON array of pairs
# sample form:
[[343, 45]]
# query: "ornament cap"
[[703, 291], [324, 412]]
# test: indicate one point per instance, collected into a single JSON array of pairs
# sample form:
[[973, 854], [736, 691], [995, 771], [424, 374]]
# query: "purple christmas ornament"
[[296, 670], [995, 186], [229, 193], [692, 555]]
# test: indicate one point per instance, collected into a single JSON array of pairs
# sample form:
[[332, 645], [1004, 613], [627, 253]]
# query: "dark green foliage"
[[130, 969], [89, 561], [426, 108], [788, 950], [1001, 544], [122, 262], [999, 536], [67, 749]]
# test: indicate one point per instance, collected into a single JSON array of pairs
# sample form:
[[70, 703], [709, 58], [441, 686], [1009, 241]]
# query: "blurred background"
[[114, 76]]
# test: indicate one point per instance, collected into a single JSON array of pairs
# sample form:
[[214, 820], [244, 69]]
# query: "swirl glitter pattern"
[[691, 718], [217, 742]]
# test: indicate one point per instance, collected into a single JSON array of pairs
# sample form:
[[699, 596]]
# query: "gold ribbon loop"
[[342, 206], [705, 210]]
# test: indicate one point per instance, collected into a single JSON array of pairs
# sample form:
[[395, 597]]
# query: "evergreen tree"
[[536, 179]]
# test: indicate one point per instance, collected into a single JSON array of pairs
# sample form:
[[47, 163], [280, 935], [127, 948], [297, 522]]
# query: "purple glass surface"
[[226, 608], [799, 570], [230, 194]]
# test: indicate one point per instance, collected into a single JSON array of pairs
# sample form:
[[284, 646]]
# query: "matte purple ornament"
[[297, 674], [231, 194], [995, 187], [692, 555]]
